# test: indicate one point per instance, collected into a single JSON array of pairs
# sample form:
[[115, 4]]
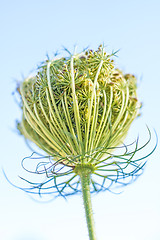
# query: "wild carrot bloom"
[[78, 109]]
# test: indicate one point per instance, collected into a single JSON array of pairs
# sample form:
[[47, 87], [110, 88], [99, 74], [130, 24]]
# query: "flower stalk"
[[85, 177]]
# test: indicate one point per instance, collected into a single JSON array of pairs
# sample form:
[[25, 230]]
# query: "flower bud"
[[77, 104]]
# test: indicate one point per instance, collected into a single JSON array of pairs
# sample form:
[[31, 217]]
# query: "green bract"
[[75, 106]]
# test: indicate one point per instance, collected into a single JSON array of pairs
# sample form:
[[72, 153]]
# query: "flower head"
[[78, 109]]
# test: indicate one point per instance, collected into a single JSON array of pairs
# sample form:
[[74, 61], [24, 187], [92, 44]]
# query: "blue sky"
[[28, 31]]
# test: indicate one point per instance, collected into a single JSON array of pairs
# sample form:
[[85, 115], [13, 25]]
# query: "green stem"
[[84, 173]]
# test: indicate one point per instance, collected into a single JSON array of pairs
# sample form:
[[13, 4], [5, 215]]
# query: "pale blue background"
[[30, 29]]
